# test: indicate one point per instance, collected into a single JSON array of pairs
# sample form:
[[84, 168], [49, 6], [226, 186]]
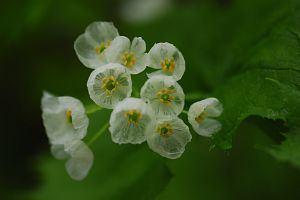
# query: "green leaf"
[[267, 84]]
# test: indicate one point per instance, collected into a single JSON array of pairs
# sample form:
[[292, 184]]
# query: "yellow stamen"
[[165, 96], [99, 49], [69, 116], [200, 118], [128, 59], [165, 130], [133, 116], [168, 65], [110, 84]]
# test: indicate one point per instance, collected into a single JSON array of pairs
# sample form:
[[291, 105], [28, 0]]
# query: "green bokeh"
[[216, 37]]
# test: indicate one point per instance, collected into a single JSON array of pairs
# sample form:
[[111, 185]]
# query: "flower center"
[[165, 96], [99, 49], [165, 130], [109, 83], [69, 116], [168, 65], [133, 116], [200, 118], [128, 59]]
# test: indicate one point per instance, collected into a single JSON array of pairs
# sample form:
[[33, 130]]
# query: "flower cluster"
[[154, 117]]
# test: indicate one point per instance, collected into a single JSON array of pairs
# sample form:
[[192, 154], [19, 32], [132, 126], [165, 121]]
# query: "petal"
[[162, 51], [138, 46], [85, 48], [80, 161], [118, 46], [207, 128], [80, 121], [58, 151], [95, 35], [102, 31], [125, 131], [141, 64], [214, 107], [58, 127], [99, 92], [152, 91], [171, 145]]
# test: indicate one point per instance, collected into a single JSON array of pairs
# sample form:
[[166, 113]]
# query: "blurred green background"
[[37, 54]]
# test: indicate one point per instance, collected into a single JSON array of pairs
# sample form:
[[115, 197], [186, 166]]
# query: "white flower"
[[90, 46], [79, 158], [129, 121], [168, 59], [109, 84], [164, 95], [132, 55], [64, 118], [201, 116], [169, 138]]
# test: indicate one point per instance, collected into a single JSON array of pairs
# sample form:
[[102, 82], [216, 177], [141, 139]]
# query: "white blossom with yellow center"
[[64, 118], [66, 124], [92, 44], [130, 120], [169, 137], [202, 114], [164, 95], [131, 55], [109, 84], [168, 59]]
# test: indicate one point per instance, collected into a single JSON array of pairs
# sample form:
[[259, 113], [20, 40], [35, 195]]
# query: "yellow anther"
[[110, 84], [133, 116], [69, 116], [200, 118], [128, 59], [99, 49], [165, 95], [168, 65], [165, 130]]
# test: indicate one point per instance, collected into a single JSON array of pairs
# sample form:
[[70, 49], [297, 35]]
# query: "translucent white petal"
[[132, 56], [118, 46], [97, 35], [201, 114], [138, 46], [161, 52], [207, 128], [171, 144], [105, 95], [85, 48], [125, 131], [80, 161], [153, 92], [64, 118], [58, 151], [102, 31]]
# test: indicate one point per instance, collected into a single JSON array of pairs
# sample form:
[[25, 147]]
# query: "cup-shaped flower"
[[79, 158], [168, 59], [169, 137], [130, 120], [64, 118], [109, 84], [132, 56], [164, 95], [91, 45], [202, 114]]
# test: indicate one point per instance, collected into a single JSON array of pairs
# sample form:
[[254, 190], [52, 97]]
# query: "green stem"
[[98, 134], [185, 112], [92, 108]]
